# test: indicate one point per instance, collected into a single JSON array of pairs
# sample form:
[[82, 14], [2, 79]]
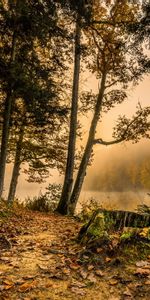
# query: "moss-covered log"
[[102, 219]]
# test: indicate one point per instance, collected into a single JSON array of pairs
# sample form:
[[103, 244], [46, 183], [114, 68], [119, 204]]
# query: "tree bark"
[[88, 149], [68, 181], [6, 122], [16, 167], [7, 114]]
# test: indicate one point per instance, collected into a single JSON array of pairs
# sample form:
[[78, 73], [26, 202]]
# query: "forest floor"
[[40, 259]]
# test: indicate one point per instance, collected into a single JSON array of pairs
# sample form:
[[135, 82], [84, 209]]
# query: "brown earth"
[[40, 260]]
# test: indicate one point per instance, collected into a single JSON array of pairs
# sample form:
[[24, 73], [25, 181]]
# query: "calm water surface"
[[116, 200]]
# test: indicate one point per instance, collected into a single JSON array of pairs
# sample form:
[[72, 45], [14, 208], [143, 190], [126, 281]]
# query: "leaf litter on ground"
[[45, 260]]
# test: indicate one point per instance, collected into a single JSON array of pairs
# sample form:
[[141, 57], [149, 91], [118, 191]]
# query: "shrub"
[[47, 201], [87, 209]]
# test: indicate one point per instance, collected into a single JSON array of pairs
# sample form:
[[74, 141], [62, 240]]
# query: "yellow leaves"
[[99, 11], [114, 12], [22, 286], [125, 12], [145, 232]]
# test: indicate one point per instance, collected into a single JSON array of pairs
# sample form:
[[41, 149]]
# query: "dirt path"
[[44, 261]]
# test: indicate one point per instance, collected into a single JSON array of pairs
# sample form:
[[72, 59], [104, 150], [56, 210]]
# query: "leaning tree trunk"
[[88, 149], [68, 181], [16, 168]]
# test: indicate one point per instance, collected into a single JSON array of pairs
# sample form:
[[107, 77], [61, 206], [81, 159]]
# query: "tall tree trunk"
[[16, 168], [6, 121], [88, 149], [7, 109], [68, 181]]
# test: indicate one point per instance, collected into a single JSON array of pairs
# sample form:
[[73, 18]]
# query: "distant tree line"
[[122, 175]]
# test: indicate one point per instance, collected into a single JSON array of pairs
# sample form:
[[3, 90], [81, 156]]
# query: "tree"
[[35, 151], [33, 74], [82, 13], [116, 64], [29, 31], [38, 129], [68, 181], [9, 95]]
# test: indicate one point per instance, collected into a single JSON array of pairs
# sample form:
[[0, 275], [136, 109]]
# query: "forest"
[[47, 48], [128, 173]]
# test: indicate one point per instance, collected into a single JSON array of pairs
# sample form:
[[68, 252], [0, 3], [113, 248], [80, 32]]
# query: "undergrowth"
[[47, 201]]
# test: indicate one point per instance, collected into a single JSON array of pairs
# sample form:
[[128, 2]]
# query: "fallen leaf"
[[90, 267], [8, 282], [5, 259], [66, 271], [43, 268], [92, 278], [49, 284], [143, 263], [74, 266], [99, 273], [83, 274], [107, 259], [99, 250], [27, 286], [57, 275], [19, 281], [147, 282], [134, 285], [77, 284], [8, 287], [127, 293], [113, 282], [78, 291], [142, 272]]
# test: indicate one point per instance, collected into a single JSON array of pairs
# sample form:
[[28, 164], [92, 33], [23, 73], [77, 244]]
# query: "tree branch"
[[123, 136], [102, 142]]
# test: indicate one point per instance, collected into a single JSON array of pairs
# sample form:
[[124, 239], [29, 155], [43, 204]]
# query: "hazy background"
[[104, 156]]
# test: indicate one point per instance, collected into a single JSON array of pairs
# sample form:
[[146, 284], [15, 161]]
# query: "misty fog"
[[119, 176], [126, 165]]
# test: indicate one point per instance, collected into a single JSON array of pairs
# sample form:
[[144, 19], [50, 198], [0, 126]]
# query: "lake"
[[116, 200]]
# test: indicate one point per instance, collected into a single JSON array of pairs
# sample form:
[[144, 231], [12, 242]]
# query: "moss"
[[97, 228]]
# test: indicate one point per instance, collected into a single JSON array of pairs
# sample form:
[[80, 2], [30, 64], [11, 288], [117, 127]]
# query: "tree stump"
[[103, 219]]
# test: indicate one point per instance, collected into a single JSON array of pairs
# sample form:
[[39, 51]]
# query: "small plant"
[[126, 236], [45, 202], [37, 203], [87, 209]]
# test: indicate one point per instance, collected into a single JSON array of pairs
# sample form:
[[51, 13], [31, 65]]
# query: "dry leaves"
[[27, 286], [142, 272], [99, 273]]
